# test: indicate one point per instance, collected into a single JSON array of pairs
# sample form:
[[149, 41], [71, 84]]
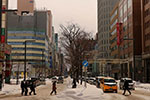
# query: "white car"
[[131, 83], [55, 78]]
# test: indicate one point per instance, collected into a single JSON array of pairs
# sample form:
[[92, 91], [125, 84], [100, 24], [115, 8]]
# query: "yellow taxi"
[[109, 84]]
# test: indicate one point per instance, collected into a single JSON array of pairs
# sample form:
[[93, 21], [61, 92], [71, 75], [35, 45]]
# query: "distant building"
[[25, 6], [30, 27], [104, 9]]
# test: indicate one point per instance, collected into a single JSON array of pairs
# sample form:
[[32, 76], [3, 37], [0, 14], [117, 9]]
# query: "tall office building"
[[104, 9], [146, 39]]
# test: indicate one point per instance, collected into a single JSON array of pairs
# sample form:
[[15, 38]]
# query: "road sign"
[[85, 63]]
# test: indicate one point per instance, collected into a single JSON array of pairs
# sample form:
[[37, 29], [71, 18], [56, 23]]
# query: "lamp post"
[[25, 43], [133, 75]]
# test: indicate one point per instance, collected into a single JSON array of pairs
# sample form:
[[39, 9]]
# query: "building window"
[[146, 2], [147, 24], [147, 12]]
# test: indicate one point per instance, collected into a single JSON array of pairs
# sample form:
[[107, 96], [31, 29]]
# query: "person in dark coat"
[[74, 85], [126, 87], [26, 87], [32, 88], [22, 87], [53, 88]]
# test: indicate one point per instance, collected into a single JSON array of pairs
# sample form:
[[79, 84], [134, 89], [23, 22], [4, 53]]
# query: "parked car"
[[54, 78], [131, 83], [42, 81], [91, 80], [98, 79], [109, 84], [60, 79]]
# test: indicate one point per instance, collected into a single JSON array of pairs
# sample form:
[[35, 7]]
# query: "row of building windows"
[[26, 37], [33, 49], [28, 54], [114, 14], [115, 31], [105, 41], [104, 36], [124, 8], [114, 23], [28, 43], [106, 3], [104, 22], [105, 48], [29, 32], [104, 29], [147, 37]]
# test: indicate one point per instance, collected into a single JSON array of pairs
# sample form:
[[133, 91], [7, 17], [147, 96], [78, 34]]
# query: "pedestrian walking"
[[26, 87], [32, 88], [22, 87], [53, 88], [74, 85], [126, 87]]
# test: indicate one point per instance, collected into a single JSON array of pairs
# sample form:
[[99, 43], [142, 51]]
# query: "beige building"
[[25, 6]]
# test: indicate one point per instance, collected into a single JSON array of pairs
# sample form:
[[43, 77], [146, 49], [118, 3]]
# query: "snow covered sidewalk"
[[143, 85], [10, 89]]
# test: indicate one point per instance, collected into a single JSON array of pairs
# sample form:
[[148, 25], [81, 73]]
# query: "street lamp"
[[25, 43], [133, 75]]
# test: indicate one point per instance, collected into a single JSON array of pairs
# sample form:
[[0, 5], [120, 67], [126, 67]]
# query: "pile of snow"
[[142, 85], [10, 89]]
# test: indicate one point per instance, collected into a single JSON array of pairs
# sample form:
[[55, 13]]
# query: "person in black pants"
[[26, 87], [32, 88], [74, 85], [22, 87], [126, 87], [53, 88]]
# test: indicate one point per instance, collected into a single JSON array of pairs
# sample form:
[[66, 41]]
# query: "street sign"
[[85, 63]]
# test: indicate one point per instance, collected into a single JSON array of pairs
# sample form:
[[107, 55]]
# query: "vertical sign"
[[118, 33], [3, 21]]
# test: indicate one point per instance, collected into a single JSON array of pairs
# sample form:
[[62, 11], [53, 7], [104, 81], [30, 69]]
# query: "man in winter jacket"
[[126, 87], [53, 88]]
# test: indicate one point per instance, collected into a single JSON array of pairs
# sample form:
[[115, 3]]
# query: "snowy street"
[[65, 92]]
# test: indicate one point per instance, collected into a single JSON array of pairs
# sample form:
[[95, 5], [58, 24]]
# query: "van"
[[109, 84]]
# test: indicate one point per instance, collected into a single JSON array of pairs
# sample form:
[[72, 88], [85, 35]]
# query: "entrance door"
[[148, 70]]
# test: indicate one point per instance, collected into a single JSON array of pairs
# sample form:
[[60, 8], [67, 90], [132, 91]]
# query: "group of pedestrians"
[[24, 87]]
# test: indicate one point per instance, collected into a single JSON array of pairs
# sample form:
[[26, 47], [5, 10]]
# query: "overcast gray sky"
[[83, 12]]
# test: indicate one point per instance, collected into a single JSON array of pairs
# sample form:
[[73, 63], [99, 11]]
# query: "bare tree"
[[75, 43]]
